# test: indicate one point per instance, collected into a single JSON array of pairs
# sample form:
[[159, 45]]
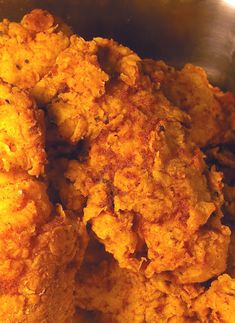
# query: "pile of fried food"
[[117, 183]]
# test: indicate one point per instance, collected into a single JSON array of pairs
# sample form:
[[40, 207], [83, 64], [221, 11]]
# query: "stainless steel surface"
[[178, 31]]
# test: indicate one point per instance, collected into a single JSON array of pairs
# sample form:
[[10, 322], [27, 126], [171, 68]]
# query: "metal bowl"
[[179, 31]]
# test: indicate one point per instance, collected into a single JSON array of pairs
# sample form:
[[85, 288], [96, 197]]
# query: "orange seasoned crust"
[[29, 49], [101, 293], [22, 132], [124, 138]]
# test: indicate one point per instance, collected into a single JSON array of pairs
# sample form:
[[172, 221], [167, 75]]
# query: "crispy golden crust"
[[107, 293], [44, 291], [29, 49], [190, 90], [218, 303], [150, 198], [21, 132], [41, 247], [122, 296], [39, 251], [148, 188], [231, 259], [71, 88], [76, 104], [62, 190]]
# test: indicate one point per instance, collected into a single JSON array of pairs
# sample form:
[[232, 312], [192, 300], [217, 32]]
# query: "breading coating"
[[218, 303], [39, 250], [118, 295], [29, 49], [41, 245], [151, 199], [124, 138], [190, 90], [71, 88], [21, 132], [121, 296]]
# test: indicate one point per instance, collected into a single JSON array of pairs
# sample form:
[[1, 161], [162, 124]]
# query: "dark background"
[[179, 31]]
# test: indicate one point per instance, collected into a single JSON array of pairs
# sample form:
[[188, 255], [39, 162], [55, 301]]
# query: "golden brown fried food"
[[149, 191], [21, 132], [39, 250], [29, 49], [123, 296], [218, 303], [150, 198], [112, 294], [76, 82], [41, 246], [190, 90], [77, 105], [122, 230], [231, 259]]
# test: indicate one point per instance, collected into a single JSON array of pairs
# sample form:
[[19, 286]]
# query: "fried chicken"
[[62, 190], [147, 187], [41, 245], [120, 296], [123, 137]]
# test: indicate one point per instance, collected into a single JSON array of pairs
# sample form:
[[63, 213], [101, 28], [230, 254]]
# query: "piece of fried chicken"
[[151, 199], [41, 246], [218, 303], [39, 250], [155, 300], [135, 239], [224, 157], [50, 63]]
